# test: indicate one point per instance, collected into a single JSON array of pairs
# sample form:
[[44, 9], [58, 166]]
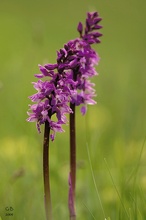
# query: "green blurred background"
[[30, 34]]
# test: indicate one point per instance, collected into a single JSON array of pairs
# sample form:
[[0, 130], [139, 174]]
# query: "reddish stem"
[[47, 195], [73, 157]]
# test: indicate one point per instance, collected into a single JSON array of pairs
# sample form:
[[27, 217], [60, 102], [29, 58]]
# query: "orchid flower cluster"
[[52, 98], [60, 88], [68, 80]]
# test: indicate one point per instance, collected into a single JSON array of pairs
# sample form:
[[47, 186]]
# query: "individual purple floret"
[[51, 98]]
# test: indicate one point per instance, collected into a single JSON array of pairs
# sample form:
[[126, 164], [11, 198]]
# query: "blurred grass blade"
[[89, 211], [135, 170], [116, 188], [97, 192]]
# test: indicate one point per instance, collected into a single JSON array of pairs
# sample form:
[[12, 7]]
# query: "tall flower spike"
[[77, 59]]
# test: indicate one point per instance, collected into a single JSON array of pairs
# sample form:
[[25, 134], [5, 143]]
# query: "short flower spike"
[[51, 98]]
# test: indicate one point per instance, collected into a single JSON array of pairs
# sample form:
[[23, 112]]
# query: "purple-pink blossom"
[[51, 98], [78, 59], [67, 80]]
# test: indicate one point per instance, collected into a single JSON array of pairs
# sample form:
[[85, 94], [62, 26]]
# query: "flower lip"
[[50, 66]]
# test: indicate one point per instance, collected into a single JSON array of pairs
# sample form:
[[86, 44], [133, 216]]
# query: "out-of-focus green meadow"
[[30, 33]]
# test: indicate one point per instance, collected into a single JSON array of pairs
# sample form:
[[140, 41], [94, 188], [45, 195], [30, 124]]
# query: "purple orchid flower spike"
[[60, 88], [52, 97], [78, 59]]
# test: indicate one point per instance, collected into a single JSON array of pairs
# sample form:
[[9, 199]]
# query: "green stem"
[[73, 155], [47, 195]]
